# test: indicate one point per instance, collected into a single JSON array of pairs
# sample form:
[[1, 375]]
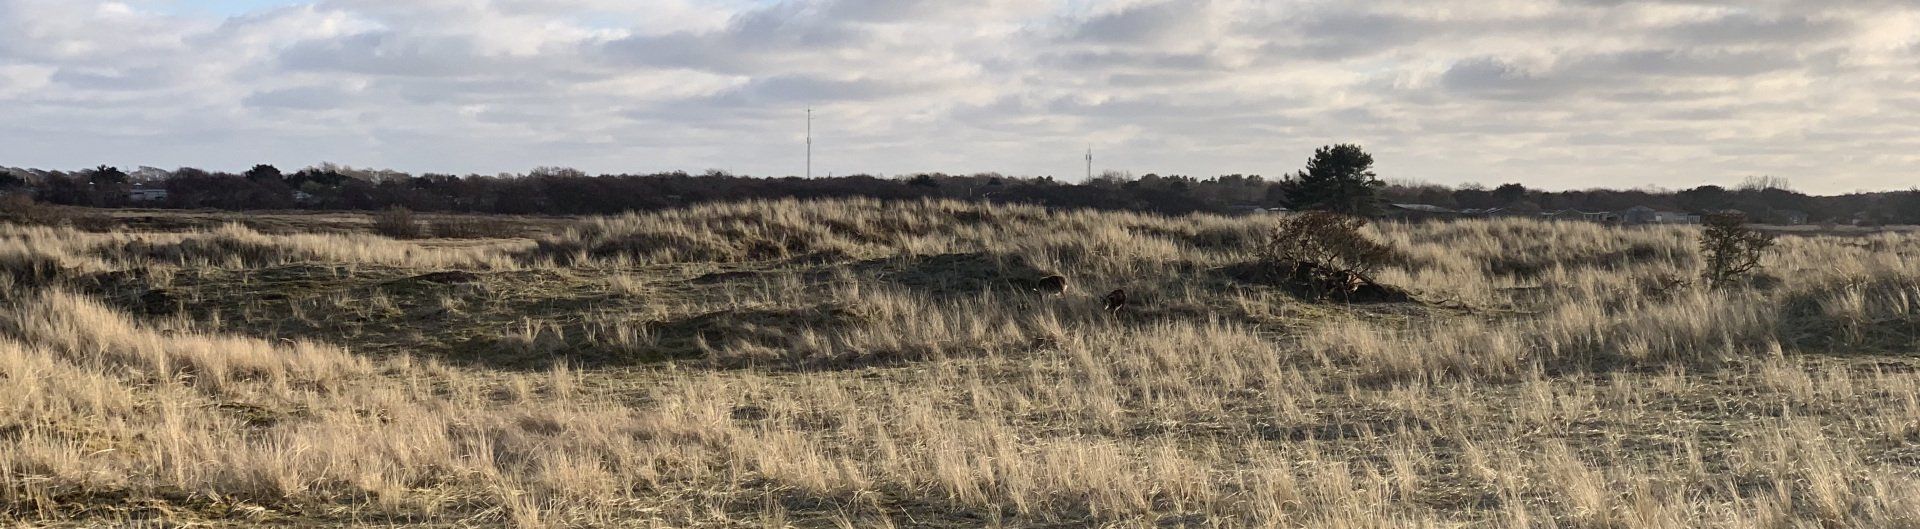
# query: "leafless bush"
[[1322, 255], [399, 223], [1329, 240], [22, 209], [1732, 249], [473, 228]]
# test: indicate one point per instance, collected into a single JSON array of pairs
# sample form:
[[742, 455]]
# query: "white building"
[[147, 194], [1674, 217]]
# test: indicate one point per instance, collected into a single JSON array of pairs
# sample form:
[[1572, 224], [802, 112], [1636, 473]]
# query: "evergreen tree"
[[107, 175], [1339, 178], [264, 173]]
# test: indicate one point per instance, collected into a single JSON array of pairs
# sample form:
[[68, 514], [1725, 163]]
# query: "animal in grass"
[[1116, 300], [1054, 284]]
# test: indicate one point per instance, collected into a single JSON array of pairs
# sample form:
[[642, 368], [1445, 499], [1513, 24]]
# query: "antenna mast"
[[809, 142], [1089, 163]]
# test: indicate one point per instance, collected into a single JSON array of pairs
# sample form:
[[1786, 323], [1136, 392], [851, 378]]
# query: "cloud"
[[1144, 24], [300, 98], [1554, 93], [1494, 78]]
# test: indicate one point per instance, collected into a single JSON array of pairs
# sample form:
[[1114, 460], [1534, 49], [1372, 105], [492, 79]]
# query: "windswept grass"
[[859, 364]]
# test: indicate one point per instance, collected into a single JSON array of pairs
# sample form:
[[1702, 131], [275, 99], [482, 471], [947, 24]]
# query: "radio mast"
[[1089, 163]]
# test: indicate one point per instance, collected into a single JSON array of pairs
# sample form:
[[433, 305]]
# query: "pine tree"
[[1339, 178]]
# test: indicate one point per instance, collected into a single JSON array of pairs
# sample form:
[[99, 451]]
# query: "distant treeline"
[[559, 191]]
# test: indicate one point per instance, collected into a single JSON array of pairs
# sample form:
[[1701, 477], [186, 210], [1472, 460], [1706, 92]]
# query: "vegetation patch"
[[231, 377], [959, 273]]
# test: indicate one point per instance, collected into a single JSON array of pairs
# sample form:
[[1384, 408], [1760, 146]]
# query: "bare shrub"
[[1731, 248], [1321, 255], [398, 222], [22, 209], [1325, 239], [473, 228]]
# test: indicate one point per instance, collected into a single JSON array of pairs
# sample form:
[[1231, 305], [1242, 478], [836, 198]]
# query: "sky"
[[1554, 94]]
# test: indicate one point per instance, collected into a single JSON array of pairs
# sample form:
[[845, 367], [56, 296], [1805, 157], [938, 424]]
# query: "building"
[[143, 193], [1647, 215], [1792, 217], [1587, 216], [1639, 215], [1419, 212], [1675, 217]]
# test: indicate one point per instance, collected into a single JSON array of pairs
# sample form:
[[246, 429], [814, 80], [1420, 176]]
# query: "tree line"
[[1337, 178]]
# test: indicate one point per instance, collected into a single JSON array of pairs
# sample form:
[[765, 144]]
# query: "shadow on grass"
[[956, 274]]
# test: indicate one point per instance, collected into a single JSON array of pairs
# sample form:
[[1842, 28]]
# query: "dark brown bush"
[[1328, 240], [474, 228], [1323, 256], [22, 209], [399, 223], [1731, 248]]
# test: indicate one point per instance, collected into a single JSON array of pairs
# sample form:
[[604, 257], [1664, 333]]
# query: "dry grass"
[[853, 364]]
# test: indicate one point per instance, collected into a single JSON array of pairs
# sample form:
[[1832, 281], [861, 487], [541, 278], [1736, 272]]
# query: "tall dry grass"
[[857, 364]]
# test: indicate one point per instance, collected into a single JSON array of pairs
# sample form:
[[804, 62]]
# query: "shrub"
[[22, 209], [474, 228], [1731, 248], [1328, 240], [1323, 256], [398, 222]]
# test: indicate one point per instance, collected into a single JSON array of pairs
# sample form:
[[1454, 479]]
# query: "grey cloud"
[[1110, 59], [300, 98], [890, 10], [1336, 36], [1685, 63], [116, 79], [390, 53], [796, 89], [751, 39], [1142, 24], [449, 90], [1644, 75], [1493, 78], [1747, 28]]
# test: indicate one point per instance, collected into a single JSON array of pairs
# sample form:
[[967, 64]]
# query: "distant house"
[[302, 197], [1419, 212], [1647, 215], [1675, 217], [1639, 215], [1425, 208], [1587, 216], [1245, 210], [144, 193], [1792, 217]]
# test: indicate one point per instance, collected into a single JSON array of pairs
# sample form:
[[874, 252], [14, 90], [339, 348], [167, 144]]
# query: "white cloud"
[[1571, 93]]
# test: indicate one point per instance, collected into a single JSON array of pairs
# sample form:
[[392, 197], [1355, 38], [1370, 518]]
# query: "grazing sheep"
[[1116, 300]]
